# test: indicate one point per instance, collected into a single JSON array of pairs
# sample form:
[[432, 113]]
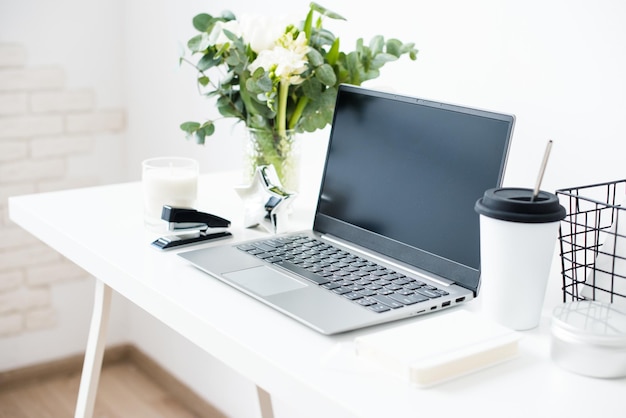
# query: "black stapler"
[[190, 226]]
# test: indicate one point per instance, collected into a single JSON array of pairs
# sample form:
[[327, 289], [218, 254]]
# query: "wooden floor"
[[125, 390]]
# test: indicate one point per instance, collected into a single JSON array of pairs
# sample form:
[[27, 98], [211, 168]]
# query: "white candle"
[[168, 181]]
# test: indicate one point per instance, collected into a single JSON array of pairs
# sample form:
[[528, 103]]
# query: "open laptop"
[[395, 233]]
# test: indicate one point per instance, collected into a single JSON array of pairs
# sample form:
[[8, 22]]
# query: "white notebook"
[[439, 348]]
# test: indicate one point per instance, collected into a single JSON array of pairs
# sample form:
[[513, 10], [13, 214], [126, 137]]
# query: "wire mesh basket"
[[593, 242]]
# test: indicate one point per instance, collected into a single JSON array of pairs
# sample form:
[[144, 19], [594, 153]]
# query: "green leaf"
[[312, 88], [198, 132], [237, 59], [326, 75], [333, 53], [230, 35], [203, 81], [354, 68], [382, 59], [321, 37], [315, 58], [408, 48], [262, 110], [264, 83], [319, 112], [208, 127], [189, 126], [251, 86], [199, 136], [199, 42], [258, 122], [376, 44], [394, 47], [228, 78], [202, 22], [308, 23], [207, 61], [228, 15], [370, 75], [223, 49], [359, 46], [259, 82], [411, 50], [258, 73], [325, 12]]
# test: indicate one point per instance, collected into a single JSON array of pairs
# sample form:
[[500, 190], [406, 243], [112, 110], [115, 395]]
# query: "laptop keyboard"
[[364, 282]]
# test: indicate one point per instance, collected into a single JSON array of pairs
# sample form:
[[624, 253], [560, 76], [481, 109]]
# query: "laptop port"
[[460, 299], [443, 305]]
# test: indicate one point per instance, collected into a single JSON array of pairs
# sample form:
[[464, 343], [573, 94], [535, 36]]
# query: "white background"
[[557, 65]]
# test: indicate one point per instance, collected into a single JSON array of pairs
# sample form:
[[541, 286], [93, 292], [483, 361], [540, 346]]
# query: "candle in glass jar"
[[168, 181]]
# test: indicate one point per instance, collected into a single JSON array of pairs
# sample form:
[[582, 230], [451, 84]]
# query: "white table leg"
[[265, 402], [95, 351]]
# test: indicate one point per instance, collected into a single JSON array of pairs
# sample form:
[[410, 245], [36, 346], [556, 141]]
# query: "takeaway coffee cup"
[[518, 235]]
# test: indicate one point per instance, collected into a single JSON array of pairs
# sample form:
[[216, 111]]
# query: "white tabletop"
[[101, 229]]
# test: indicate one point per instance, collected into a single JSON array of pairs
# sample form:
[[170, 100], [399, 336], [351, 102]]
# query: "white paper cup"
[[169, 181], [517, 240]]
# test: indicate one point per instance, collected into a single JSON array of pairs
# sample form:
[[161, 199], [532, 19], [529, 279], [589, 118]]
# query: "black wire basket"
[[593, 243]]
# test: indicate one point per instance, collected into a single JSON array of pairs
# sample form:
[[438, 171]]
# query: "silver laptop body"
[[401, 177]]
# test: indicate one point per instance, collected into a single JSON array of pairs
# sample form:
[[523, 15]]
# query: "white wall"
[[557, 65], [44, 300], [84, 37]]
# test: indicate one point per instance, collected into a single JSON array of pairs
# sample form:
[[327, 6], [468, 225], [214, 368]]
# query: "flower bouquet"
[[279, 78]]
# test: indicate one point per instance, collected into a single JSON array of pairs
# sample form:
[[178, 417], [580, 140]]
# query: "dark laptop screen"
[[403, 174]]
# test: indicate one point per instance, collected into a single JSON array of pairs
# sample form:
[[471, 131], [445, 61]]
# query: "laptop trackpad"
[[264, 281]]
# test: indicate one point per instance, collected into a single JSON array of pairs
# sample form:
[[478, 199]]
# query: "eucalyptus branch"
[[257, 73]]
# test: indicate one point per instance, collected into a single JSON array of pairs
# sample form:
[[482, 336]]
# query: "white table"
[[101, 229]]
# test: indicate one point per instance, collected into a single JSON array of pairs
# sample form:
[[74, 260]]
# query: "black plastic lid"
[[515, 205]]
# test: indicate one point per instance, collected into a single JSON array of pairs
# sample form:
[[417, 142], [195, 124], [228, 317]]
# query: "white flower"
[[286, 60], [217, 36], [261, 32]]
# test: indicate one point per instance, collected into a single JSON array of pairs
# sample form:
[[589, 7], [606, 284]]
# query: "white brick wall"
[[22, 256], [54, 146], [31, 79], [100, 121], [13, 103], [10, 324], [42, 126], [60, 101], [10, 279], [28, 126], [12, 55], [13, 236], [11, 150], [41, 318], [24, 170]]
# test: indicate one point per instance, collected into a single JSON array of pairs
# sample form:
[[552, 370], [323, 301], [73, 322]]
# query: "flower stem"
[[302, 102], [281, 117]]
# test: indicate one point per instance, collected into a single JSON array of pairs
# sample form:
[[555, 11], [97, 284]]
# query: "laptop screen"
[[402, 176]]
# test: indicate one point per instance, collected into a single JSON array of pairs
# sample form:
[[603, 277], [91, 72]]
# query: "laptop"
[[395, 233]]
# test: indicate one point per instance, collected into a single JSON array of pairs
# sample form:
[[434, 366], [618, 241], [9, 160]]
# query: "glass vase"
[[266, 147]]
